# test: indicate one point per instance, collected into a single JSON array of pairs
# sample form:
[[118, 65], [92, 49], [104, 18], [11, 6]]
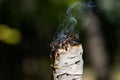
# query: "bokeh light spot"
[[9, 35]]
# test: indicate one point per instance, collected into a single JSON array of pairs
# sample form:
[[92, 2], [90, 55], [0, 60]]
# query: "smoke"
[[70, 22]]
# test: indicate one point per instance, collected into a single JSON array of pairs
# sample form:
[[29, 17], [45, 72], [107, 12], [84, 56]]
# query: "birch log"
[[67, 58]]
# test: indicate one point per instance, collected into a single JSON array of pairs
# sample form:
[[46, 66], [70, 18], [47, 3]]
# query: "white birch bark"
[[68, 64]]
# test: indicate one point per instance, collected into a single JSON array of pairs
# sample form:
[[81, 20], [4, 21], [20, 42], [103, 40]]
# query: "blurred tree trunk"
[[95, 46]]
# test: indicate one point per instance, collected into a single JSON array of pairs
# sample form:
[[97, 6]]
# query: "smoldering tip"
[[69, 38]]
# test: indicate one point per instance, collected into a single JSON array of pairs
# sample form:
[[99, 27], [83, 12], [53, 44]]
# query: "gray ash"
[[70, 38]]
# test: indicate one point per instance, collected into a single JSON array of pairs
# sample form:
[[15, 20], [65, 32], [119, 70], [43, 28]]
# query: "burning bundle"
[[66, 56], [66, 52]]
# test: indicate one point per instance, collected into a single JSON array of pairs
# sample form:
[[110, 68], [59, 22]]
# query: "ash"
[[62, 43]]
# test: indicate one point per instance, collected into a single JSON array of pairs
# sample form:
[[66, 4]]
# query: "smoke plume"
[[71, 20]]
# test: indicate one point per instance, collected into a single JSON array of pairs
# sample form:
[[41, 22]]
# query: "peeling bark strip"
[[67, 62]]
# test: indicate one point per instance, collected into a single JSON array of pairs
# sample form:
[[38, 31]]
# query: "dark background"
[[27, 28]]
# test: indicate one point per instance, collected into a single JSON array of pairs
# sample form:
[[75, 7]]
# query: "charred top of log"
[[71, 38]]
